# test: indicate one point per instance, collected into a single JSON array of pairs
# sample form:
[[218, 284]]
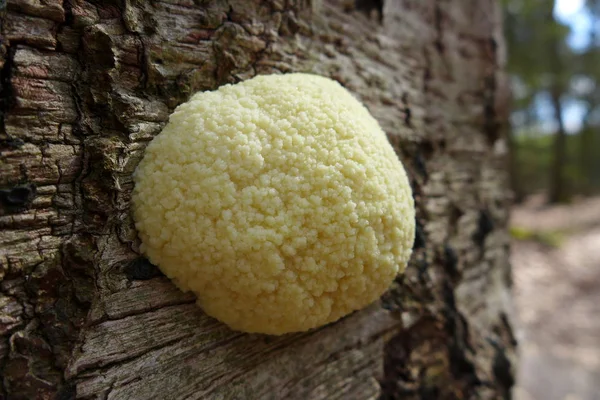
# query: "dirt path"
[[557, 294]]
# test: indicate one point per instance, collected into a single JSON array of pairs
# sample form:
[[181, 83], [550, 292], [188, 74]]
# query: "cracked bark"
[[86, 85]]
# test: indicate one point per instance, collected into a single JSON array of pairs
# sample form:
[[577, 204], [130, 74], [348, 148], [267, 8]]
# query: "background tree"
[[86, 85], [588, 78], [545, 69]]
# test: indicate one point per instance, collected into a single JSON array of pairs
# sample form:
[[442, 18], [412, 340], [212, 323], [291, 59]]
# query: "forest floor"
[[556, 270]]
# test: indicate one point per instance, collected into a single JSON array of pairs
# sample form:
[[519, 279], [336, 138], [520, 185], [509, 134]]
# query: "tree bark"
[[87, 84]]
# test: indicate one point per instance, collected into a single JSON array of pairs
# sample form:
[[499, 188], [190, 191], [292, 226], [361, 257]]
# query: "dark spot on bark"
[[422, 267], [448, 295], [17, 198], [19, 195], [67, 392], [491, 126], [395, 369], [407, 117], [419, 242], [429, 392], [11, 143], [442, 144], [387, 306], [141, 269], [52, 287], [99, 50], [455, 214], [416, 189], [501, 368], [7, 97], [485, 225], [25, 375], [419, 165], [229, 14], [450, 262], [400, 379], [427, 149], [407, 111], [69, 18], [508, 328], [461, 367], [368, 6]]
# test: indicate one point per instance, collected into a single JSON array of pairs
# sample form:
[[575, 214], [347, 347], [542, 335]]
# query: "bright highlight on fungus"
[[278, 201]]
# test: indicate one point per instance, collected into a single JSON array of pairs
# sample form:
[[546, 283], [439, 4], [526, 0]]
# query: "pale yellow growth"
[[278, 201]]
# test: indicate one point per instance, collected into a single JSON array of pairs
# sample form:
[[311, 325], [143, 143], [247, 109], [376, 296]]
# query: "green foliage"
[[532, 35], [547, 238], [542, 64], [533, 156]]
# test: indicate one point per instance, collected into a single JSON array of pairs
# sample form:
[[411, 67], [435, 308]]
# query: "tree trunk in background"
[[589, 163], [558, 191], [86, 85], [586, 159]]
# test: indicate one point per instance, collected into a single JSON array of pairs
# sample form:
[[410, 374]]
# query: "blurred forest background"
[[554, 65]]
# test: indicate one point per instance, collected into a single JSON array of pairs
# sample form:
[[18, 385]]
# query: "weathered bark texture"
[[86, 84]]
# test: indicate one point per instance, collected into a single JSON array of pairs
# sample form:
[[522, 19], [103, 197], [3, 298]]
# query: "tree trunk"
[[86, 85], [558, 191]]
